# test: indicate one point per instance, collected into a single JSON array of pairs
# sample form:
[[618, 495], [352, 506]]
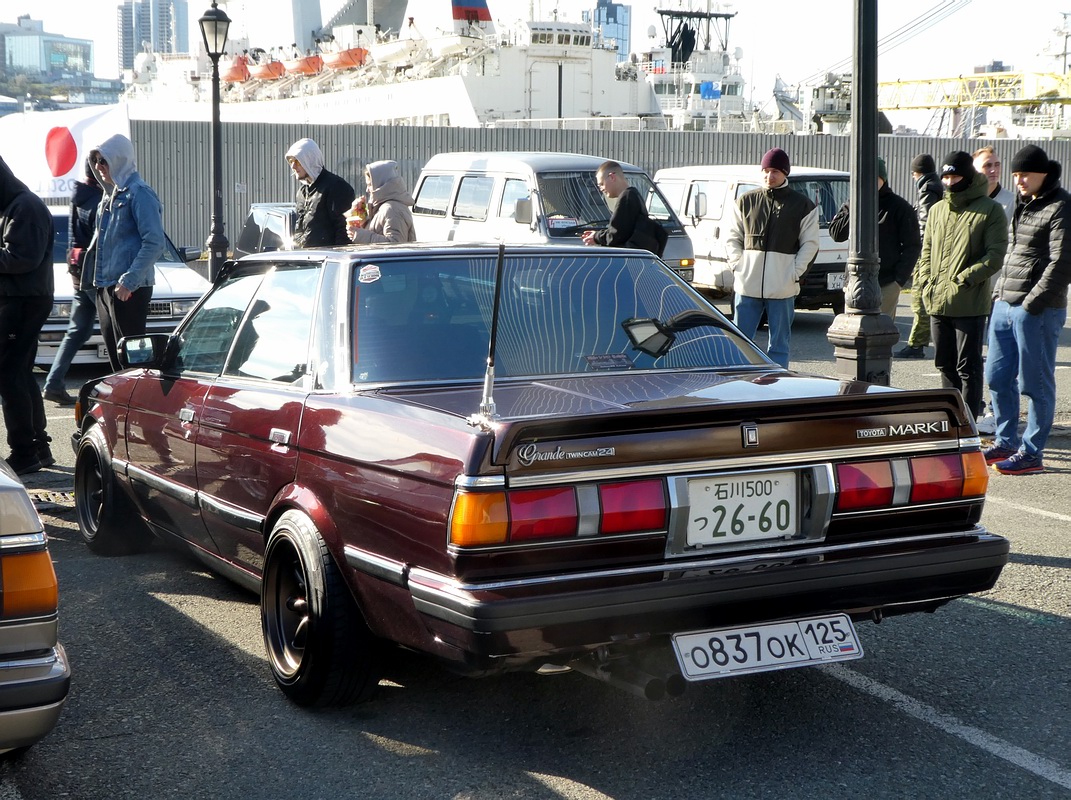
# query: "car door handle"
[[279, 436], [186, 414]]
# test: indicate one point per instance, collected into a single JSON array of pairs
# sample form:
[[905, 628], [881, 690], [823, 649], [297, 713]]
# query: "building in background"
[[612, 22], [27, 48], [161, 26]]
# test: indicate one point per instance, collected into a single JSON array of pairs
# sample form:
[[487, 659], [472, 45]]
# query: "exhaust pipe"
[[625, 675]]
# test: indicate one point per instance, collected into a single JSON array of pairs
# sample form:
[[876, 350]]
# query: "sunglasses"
[[97, 160]]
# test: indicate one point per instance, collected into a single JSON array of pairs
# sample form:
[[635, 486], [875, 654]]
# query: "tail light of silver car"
[[28, 586]]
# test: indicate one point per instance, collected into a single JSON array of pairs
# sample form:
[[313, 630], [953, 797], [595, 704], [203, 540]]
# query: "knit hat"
[[776, 159], [923, 163], [1031, 159], [883, 172], [959, 163]]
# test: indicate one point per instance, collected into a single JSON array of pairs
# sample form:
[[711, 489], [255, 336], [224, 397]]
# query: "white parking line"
[[1024, 759], [1028, 509]]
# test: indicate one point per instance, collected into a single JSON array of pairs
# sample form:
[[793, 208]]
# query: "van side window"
[[434, 195], [513, 191], [474, 197], [744, 188], [715, 194]]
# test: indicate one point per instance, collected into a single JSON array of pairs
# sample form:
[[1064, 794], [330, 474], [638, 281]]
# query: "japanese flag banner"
[[47, 149]]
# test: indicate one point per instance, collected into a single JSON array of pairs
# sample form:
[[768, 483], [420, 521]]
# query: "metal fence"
[[174, 157]]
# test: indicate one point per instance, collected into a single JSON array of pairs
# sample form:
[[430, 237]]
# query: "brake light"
[[542, 514], [632, 507], [865, 485], [28, 585], [936, 478]]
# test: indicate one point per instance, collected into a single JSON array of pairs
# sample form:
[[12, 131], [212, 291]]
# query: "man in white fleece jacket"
[[773, 238]]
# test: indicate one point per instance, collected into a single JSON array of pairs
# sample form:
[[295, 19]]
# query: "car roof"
[[520, 161], [743, 170], [426, 249]]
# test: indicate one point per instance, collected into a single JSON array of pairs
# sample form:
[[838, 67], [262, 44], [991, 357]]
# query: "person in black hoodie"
[[26, 293], [1028, 314], [899, 242], [929, 191], [80, 229]]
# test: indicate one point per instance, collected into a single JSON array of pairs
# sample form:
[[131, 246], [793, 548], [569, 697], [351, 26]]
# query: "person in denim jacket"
[[130, 240]]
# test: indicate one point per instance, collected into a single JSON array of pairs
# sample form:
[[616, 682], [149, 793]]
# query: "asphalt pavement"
[[172, 696]]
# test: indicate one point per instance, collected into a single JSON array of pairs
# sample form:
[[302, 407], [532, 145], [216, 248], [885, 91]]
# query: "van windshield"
[[573, 203], [829, 194]]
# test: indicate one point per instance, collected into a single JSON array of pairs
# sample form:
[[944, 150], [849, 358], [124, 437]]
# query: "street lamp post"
[[214, 24]]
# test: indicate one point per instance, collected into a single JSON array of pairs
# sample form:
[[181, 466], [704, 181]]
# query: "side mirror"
[[142, 352], [649, 336], [699, 205], [522, 211]]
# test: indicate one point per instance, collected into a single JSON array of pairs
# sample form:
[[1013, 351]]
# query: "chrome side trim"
[[740, 462], [183, 494], [427, 578], [375, 565], [22, 542], [485, 482], [232, 515]]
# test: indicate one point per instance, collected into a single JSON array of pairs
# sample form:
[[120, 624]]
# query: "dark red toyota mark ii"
[[626, 487]]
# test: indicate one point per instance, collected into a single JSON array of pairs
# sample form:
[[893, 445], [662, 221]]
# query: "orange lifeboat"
[[268, 71], [346, 59], [235, 71], [306, 65]]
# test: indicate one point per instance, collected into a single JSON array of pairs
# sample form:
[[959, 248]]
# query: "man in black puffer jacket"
[[1029, 313], [899, 242]]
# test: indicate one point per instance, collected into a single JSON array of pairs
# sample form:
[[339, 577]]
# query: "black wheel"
[[107, 520], [838, 305], [320, 650]]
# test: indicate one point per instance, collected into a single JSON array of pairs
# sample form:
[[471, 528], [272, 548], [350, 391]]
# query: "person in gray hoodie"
[[385, 216], [26, 293], [130, 240]]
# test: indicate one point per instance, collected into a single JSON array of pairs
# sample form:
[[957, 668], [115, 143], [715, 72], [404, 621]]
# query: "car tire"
[[838, 305], [320, 650], [107, 520]]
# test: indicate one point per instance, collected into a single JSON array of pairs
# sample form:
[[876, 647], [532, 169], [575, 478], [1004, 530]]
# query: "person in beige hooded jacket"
[[385, 215]]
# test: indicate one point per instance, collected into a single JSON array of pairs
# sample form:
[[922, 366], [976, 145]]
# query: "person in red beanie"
[[772, 241]]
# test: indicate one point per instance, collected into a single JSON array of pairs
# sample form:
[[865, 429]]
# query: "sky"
[[790, 38]]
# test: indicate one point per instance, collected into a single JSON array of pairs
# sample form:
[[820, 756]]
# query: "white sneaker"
[[987, 425]]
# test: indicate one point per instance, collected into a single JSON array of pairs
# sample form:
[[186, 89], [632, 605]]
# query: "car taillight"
[[28, 585], [479, 519], [866, 485], [925, 479], [632, 507], [542, 514]]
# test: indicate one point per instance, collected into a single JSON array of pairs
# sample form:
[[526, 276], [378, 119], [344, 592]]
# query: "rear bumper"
[[541, 616], [32, 693]]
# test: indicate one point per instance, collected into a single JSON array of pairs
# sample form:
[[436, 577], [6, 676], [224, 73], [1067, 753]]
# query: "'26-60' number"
[[774, 516]]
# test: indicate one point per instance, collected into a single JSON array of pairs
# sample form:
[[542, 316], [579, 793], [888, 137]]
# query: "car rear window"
[[430, 320]]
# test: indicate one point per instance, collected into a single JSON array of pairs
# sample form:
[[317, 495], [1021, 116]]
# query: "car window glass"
[[474, 197], [744, 188], [205, 339], [273, 342], [657, 207], [433, 197], [416, 320], [513, 191], [829, 194], [714, 191], [59, 244]]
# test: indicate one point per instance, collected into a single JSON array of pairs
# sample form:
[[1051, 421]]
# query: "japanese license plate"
[[742, 508], [102, 351], [835, 280], [703, 655]]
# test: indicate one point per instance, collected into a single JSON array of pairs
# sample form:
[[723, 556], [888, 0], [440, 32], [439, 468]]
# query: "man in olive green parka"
[[963, 247]]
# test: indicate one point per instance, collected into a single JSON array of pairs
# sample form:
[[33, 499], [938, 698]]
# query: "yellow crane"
[[972, 91]]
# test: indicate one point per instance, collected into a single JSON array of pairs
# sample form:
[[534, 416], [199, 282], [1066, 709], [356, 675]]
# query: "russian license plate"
[[835, 280], [704, 655], [102, 351], [742, 508]]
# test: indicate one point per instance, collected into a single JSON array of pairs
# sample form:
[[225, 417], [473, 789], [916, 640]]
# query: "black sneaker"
[[24, 465], [907, 351], [44, 455], [59, 396]]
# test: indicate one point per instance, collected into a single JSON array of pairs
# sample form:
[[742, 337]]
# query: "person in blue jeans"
[[1028, 314], [772, 240], [80, 227]]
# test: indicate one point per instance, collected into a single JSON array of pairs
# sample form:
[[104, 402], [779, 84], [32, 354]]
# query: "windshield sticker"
[[554, 223], [608, 361], [369, 274]]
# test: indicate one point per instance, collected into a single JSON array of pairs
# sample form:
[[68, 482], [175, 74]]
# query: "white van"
[[530, 197], [703, 196]]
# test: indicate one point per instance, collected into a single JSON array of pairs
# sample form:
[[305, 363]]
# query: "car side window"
[[474, 197], [514, 190], [714, 191], [434, 194], [273, 342], [205, 339]]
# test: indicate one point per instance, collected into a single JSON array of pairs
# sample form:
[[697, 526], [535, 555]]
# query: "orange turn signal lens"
[[479, 518], [975, 474], [29, 587]]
